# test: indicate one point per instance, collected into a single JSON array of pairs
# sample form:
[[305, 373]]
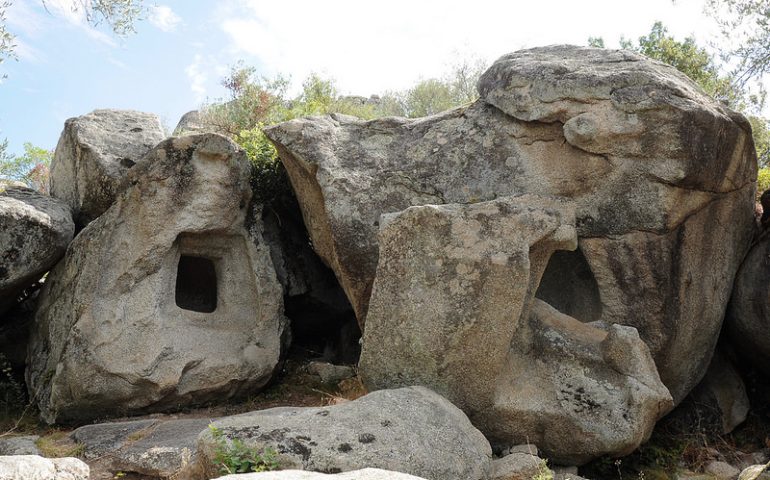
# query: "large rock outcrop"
[[411, 430], [654, 166], [35, 230], [469, 274], [94, 153], [748, 316], [164, 300]]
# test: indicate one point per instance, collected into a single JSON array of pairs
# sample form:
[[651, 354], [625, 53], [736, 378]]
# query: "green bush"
[[254, 102], [763, 180], [233, 456]]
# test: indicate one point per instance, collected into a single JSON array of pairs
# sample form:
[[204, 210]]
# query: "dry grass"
[[58, 444]]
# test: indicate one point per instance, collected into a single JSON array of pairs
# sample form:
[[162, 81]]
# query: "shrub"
[[763, 180], [233, 456]]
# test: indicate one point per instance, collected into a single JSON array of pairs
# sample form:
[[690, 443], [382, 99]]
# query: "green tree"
[[596, 42], [745, 23], [428, 98], [32, 168], [692, 60], [253, 102]]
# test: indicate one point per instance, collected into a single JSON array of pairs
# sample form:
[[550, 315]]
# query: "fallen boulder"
[[35, 230], [93, 155], [163, 301], [410, 430]]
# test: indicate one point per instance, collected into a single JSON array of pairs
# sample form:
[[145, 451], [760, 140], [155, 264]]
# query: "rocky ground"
[[686, 444]]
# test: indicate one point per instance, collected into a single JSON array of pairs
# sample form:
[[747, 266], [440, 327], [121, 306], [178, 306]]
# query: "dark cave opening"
[[196, 284], [569, 285]]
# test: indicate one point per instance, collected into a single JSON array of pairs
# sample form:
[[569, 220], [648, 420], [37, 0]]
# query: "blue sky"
[[183, 48]]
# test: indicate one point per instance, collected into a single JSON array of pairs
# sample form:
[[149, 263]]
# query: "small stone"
[[517, 466], [565, 470], [722, 470], [754, 472], [524, 448], [330, 373]]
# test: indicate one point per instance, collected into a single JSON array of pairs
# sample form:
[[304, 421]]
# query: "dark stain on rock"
[[344, 447], [366, 438]]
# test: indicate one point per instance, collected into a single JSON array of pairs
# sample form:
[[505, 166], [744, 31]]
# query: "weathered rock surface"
[[722, 470], [190, 124], [94, 153], [20, 445], [522, 370], [329, 373], [410, 430], [35, 230], [754, 472], [157, 448], [364, 474], [518, 466], [33, 467], [721, 396], [164, 300], [654, 166], [748, 315]]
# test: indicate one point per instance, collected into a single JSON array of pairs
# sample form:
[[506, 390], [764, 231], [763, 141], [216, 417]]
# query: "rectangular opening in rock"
[[196, 284]]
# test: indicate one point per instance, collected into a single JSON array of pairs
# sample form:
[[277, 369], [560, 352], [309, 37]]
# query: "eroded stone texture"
[[748, 316], [411, 430], [655, 168], [363, 474], [34, 467], [94, 153], [521, 369], [35, 230], [164, 300], [156, 448]]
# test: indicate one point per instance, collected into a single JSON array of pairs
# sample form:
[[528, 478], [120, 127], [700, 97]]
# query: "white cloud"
[[370, 50], [196, 73], [163, 18], [71, 11]]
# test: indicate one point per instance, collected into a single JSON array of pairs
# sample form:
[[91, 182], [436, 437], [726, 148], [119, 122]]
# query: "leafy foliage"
[[233, 456], [692, 60], [32, 168], [763, 180], [254, 102], [120, 15], [6, 38], [745, 23]]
